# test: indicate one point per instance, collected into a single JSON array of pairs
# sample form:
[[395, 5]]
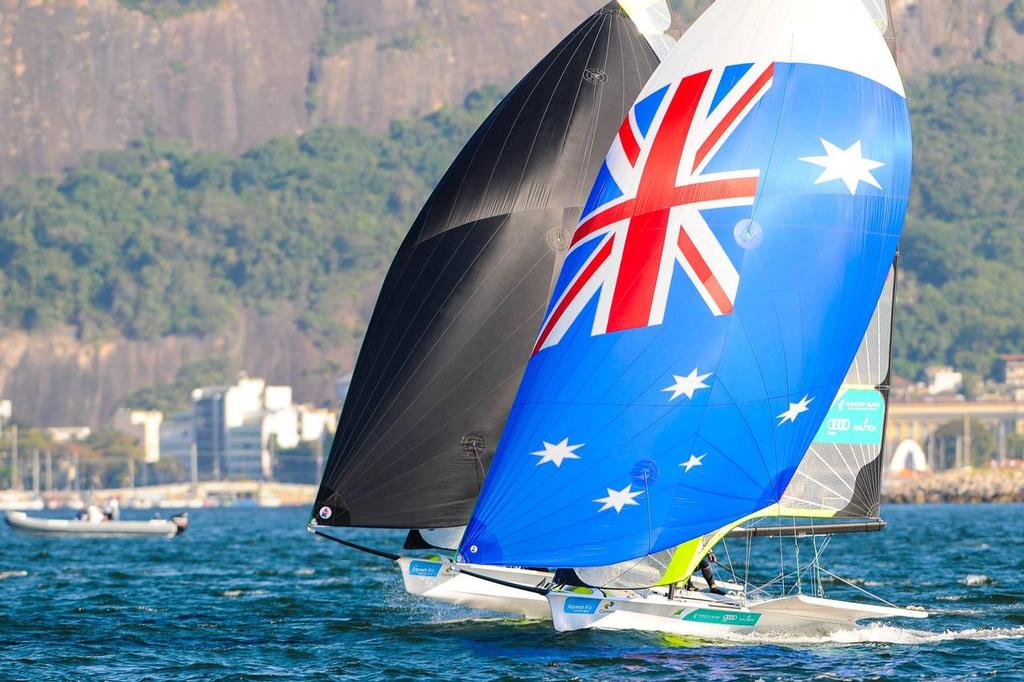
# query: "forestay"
[[726, 267]]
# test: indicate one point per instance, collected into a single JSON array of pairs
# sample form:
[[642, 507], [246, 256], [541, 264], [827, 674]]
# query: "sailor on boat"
[[708, 573]]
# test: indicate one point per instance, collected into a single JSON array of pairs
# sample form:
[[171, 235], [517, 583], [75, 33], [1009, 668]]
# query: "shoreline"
[[963, 486]]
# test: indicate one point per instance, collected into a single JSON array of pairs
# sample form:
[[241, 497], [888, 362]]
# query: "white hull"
[[153, 527], [21, 505], [693, 614], [436, 578], [711, 616]]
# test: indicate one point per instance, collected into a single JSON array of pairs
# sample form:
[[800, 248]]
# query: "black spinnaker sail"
[[459, 310]]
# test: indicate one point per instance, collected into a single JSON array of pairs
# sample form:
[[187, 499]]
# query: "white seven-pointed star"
[[694, 461], [686, 385], [557, 454], [848, 165], [617, 499], [795, 410]]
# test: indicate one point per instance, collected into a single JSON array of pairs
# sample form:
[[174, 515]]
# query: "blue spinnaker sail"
[[717, 287]]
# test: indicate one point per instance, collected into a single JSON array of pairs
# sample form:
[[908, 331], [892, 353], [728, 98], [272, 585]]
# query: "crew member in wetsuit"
[[709, 575]]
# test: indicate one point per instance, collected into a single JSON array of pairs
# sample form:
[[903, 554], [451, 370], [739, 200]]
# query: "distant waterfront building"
[[1013, 370], [66, 434], [143, 425], [5, 413], [942, 380], [238, 429], [208, 430], [176, 442]]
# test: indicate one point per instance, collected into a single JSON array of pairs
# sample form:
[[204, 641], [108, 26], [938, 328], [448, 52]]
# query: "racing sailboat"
[[703, 334], [457, 314]]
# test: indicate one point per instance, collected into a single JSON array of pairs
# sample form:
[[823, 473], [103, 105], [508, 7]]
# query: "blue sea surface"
[[249, 594]]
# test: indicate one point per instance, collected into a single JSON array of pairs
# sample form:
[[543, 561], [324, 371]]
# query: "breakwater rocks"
[[961, 486]]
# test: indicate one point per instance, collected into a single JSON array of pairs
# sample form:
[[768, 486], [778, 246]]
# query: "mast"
[[458, 311]]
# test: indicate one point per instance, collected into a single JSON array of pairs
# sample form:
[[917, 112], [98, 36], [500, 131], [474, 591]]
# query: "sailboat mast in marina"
[[457, 315], [703, 333]]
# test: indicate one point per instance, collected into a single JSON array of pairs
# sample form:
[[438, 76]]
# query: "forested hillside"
[[159, 239], [962, 300]]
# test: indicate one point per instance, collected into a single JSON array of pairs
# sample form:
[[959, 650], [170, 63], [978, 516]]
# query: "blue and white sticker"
[[581, 605], [424, 568]]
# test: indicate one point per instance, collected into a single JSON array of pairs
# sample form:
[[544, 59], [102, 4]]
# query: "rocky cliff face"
[[57, 379], [89, 74]]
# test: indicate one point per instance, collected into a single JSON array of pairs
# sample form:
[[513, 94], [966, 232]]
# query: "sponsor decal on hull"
[[740, 619], [581, 605], [424, 568]]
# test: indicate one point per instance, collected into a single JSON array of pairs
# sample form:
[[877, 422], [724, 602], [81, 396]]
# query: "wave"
[[975, 579], [886, 634]]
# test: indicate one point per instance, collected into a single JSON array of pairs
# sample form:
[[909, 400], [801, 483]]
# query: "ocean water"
[[249, 594]]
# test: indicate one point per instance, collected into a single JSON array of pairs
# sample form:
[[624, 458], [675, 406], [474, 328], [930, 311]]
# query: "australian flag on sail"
[[713, 297], [644, 213]]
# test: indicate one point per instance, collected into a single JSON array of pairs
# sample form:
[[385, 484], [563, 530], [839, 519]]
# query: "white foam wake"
[[886, 634], [975, 579]]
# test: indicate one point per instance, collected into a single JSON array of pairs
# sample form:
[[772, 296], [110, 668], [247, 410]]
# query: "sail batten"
[[730, 260]]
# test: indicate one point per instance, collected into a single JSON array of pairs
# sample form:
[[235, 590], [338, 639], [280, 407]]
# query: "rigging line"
[[498, 581], [820, 591], [746, 569], [368, 550], [857, 587], [782, 557], [796, 550], [728, 556]]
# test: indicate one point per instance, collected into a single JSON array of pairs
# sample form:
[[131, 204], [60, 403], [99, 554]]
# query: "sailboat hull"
[[436, 578], [705, 615]]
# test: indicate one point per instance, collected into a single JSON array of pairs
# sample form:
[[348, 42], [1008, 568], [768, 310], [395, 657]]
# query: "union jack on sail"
[[644, 213]]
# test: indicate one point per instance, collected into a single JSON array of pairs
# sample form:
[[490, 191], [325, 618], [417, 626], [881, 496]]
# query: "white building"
[[5, 413], [176, 441], [315, 423], [145, 427], [239, 428], [941, 379]]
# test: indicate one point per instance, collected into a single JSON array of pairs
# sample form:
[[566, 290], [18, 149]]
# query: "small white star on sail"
[[694, 461], [617, 499], [557, 453], [687, 385], [795, 410], [848, 165]]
